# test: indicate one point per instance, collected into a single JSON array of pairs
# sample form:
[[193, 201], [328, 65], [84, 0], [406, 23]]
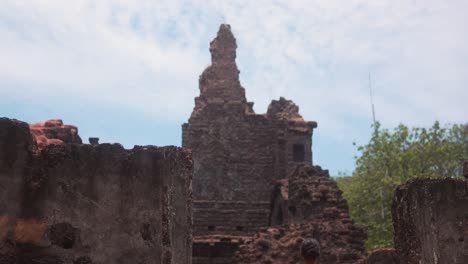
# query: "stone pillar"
[[430, 220]]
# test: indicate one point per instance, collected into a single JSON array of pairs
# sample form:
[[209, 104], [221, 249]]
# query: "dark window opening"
[[298, 152], [239, 228], [292, 209], [278, 218], [211, 228]]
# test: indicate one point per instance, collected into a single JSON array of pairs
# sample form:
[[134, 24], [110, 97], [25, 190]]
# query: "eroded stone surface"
[[430, 220], [75, 203]]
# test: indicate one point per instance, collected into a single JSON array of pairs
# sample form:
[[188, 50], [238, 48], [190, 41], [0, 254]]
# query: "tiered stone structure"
[[430, 221], [82, 204], [238, 155]]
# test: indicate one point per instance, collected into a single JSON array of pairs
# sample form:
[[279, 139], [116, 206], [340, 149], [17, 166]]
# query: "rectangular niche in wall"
[[298, 152]]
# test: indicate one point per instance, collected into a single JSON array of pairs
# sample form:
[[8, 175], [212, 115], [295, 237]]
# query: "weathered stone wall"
[[229, 167], [16, 156], [74, 203], [238, 155], [430, 220]]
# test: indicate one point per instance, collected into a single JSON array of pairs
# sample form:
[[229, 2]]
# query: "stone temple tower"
[[253, 171], [239, 155]]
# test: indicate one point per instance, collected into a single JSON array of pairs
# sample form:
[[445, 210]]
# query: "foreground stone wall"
[[16, 157], [74, 203], [430, 219]]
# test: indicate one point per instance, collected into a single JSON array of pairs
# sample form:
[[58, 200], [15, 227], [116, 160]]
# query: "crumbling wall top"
[[284, 109], [54, 132], [287, 111]]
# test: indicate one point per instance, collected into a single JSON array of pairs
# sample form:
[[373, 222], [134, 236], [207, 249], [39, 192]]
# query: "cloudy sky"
[[127, 71]]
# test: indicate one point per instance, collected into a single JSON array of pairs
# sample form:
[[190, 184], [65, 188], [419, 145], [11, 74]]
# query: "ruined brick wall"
[[238, 155], [430, 220], [311, 205], [308, 193], [340, 241], [74, 203], [230, 173]]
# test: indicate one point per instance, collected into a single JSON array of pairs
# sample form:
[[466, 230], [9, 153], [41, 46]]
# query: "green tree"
[[392, 158]]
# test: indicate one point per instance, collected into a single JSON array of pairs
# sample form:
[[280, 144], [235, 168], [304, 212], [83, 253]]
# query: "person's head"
[[310, 250]]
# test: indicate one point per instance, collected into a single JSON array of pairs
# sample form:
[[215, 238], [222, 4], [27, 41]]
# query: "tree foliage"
[[392, 158]]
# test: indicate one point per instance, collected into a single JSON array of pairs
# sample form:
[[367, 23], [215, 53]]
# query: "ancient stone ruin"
[[256, 193], [430, 220], [77, 203], [240, 156]]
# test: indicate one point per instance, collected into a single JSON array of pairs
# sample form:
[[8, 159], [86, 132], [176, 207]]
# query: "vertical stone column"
[[430, 220]]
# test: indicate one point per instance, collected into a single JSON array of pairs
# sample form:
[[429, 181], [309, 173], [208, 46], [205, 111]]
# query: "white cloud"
[[147, 55]]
